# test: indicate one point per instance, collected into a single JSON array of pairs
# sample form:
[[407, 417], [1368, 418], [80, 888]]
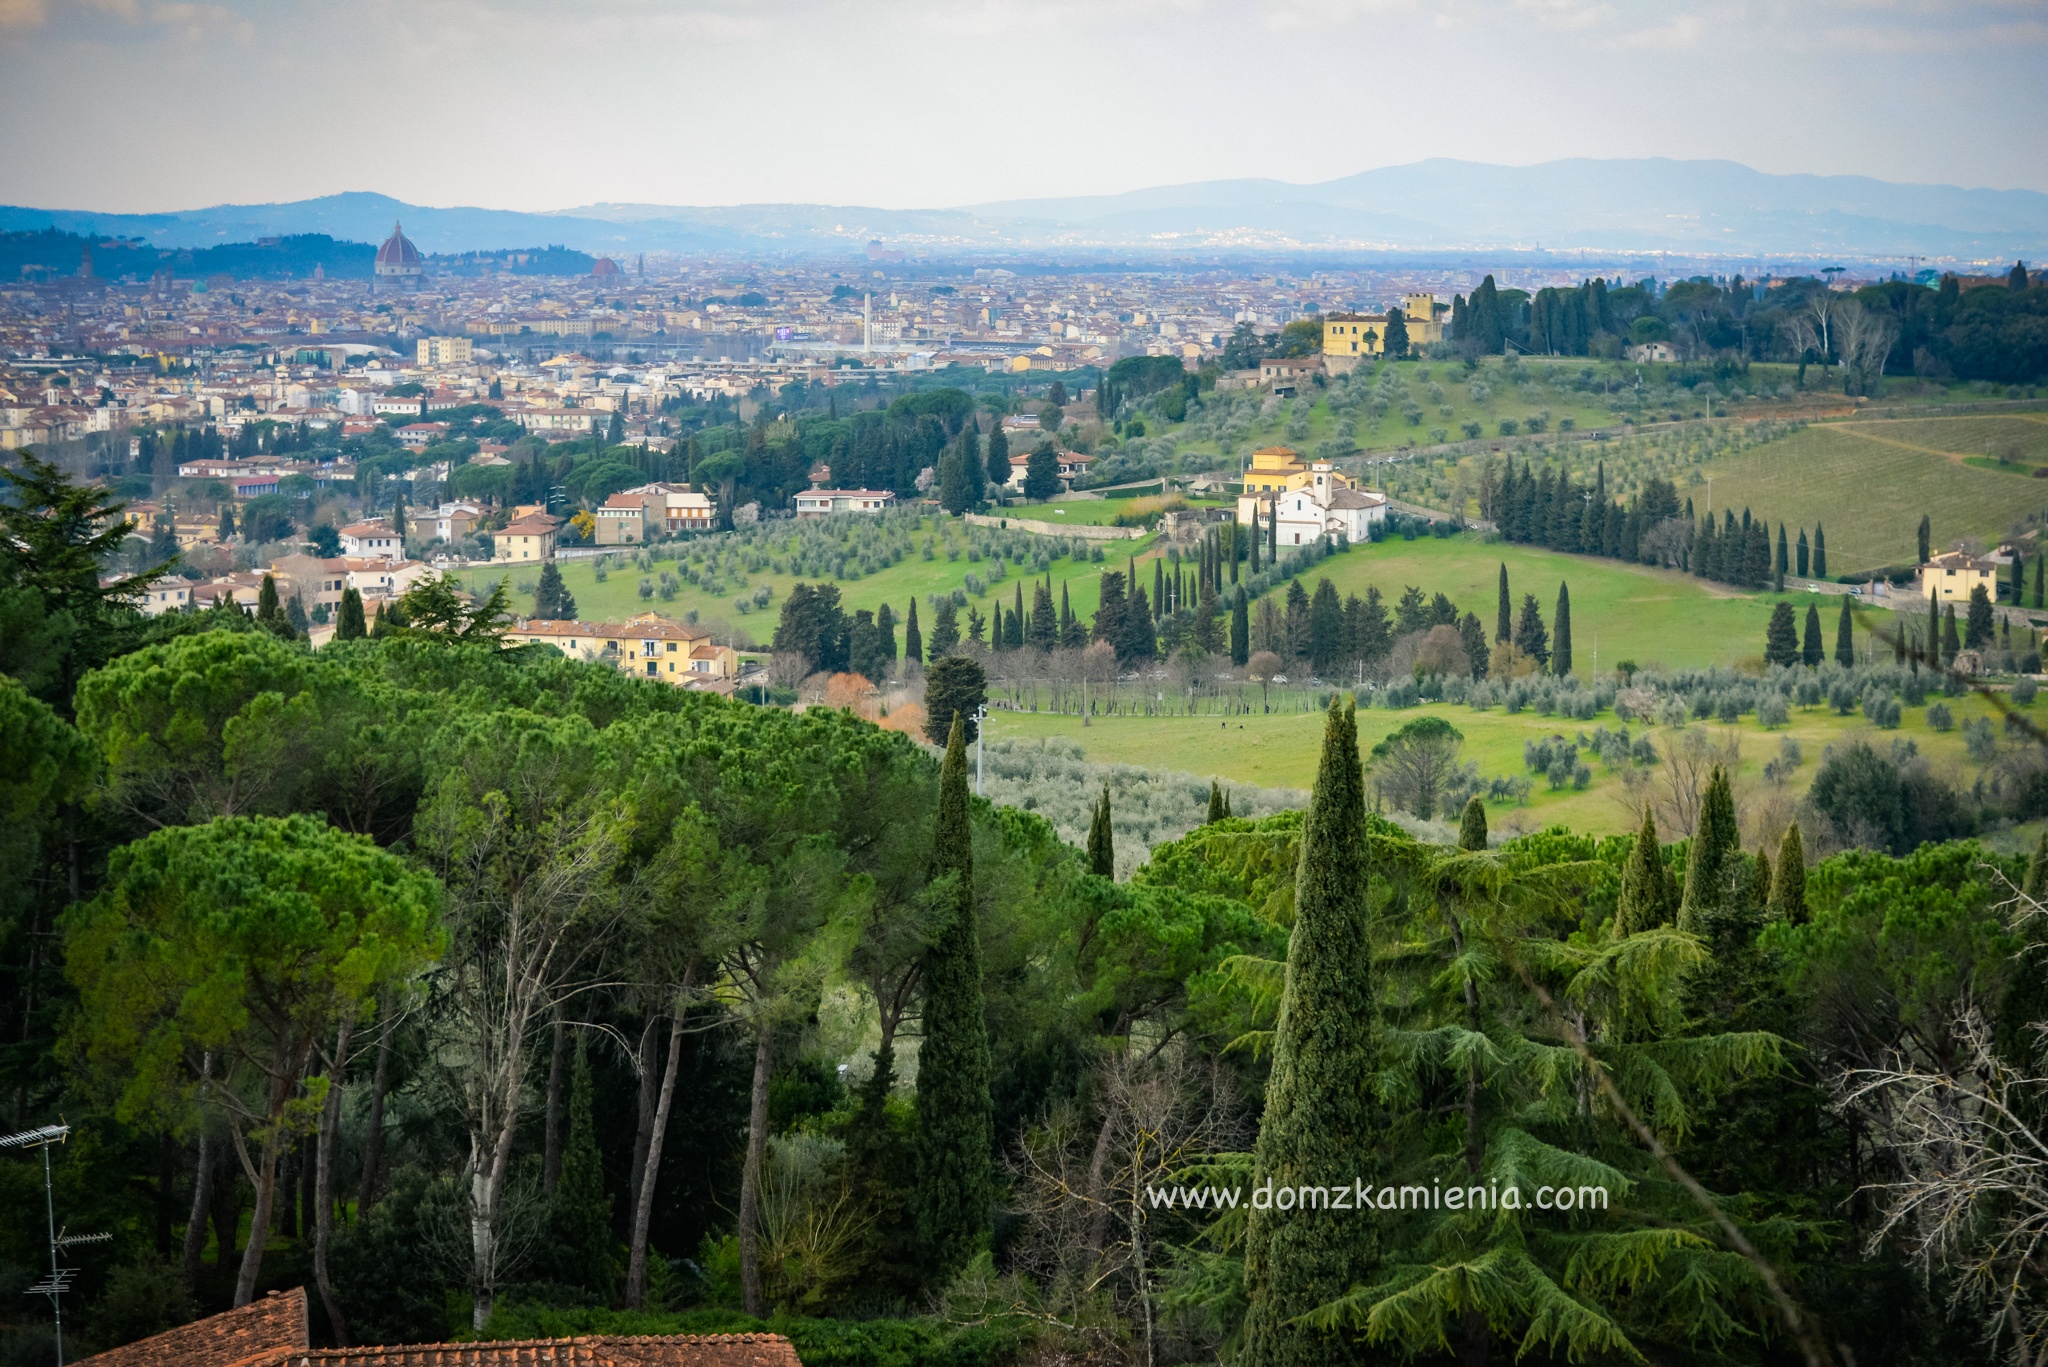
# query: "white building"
[[825, 502], [371, 541], [1325, 505]]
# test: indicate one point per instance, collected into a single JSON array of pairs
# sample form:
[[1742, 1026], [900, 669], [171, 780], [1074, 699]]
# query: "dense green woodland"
[[489, 993]]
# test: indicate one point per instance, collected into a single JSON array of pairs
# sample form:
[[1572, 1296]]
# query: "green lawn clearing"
[[1658, 618], [1281, 749], [1869, 483], [619, 596]]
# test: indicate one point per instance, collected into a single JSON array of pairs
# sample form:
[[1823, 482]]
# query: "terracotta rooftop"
[[272, 1333]]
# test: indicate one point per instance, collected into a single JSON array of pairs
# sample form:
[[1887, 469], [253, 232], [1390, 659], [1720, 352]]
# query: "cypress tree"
[[1504, 614], [1788, 888], [1784, 558], [1926, 538], [1811, 652], [955, 1117], [270, 614], [1472, 825], [1321, 1125], [552, 599], [1561, 634], [1781, 640], [348, 625], [1981, 619], [1642, 903], [1931, 649], [1530, 637], [1950, 642], [1240, 629], [1102, 839], [1845, 637], [580, 1245], [998, 456], [1215, 802], [1803, 553], [1226, 806], [913, 639], [1820, 552], [885, 631], [1706, 859], [2041, 579]]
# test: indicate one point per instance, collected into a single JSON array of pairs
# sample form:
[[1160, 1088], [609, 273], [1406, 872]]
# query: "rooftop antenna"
[[59, 1280]]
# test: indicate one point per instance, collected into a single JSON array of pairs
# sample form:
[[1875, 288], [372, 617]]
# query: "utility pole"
[[979, 713], [59, 1280]]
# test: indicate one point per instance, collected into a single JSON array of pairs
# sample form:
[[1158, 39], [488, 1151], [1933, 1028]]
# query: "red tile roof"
[[272, 1333], [260, 1331]]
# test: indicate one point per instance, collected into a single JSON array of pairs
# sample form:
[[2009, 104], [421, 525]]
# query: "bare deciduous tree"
[[1971, 1194], [528, 863], [1164, 1112]]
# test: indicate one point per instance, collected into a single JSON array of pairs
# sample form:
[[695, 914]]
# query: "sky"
[[140, 105]]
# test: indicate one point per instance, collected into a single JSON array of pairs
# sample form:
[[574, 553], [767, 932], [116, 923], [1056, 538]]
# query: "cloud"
[[1566, 14], [1682, 31], [1298, 15], [22, 13]]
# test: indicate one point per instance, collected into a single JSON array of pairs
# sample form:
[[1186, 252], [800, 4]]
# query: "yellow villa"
[[1349, 338], [1951, 577]]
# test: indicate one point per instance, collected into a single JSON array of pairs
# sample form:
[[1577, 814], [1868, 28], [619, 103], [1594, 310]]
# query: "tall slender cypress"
[[1788, 886], [580, 1248], [913, 639], [1504, 614], [348, 626], [1706, 859], [1240, 629], [1102, 839], [1215, 802], [1820, 552], [1322, 1124], [1811, 651], [1561, 634], [955, 1117], [1472, 825], [1845, 637], [1642, 904]]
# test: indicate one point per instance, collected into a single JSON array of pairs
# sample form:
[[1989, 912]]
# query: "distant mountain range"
[[1718, 208]]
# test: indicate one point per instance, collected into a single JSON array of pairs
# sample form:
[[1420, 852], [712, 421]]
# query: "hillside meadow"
[[1280, 749], [618, 596], [1658, 618], [1869, 482]]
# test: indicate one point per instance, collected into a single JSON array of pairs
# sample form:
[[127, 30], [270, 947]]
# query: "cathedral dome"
[[398, 256]]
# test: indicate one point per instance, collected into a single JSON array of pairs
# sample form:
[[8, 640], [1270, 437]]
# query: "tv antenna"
[[59, 1281]]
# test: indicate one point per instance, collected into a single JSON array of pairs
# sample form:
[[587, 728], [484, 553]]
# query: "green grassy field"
[[1658, 618], [1442, 392], [1280, 750], [1091, 511], [1869, 483], [913, 577]]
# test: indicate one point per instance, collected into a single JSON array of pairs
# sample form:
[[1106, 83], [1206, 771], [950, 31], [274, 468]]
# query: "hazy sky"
[[127, 105]]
